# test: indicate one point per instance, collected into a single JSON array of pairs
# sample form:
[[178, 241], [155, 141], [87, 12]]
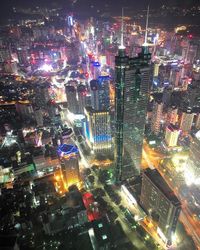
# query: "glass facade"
[[131, 94]]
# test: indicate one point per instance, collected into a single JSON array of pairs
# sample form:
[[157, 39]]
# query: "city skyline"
[[100, 125]]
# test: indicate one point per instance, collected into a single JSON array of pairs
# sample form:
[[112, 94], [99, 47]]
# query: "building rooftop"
[[94, 85], [172, 127], [67, 149], [160, 183], [70, 88], [91, 110]]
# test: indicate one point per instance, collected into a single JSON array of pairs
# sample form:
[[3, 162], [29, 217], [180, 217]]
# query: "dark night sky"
[[6, 4], [114, 5]]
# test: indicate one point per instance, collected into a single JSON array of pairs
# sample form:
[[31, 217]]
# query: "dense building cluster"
[[99, 131]]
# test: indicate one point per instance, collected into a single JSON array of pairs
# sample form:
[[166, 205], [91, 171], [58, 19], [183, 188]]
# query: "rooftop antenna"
[[122, 31], [146, 28]]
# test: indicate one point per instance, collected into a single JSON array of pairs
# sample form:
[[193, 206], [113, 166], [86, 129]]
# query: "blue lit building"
[[97, 130], [69, 155]]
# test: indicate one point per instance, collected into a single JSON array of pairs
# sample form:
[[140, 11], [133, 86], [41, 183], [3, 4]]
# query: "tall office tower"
[[171, 135], [160, 203], [100, 99], [156, 116], [131, 95], [172, 115], [71, 99], [68, 155], [97, 130], [82, 98], [186, 121], [121, 65]]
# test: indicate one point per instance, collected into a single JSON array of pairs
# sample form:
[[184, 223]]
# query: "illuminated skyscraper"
[[97, 130], [69, 164], [156, 116], [171, 135], [187, 120], [131, 95], [156, 69]]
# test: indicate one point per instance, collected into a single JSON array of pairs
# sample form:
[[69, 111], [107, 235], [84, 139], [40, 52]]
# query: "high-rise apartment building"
[[186, 120], [156, 69], [172, 115], [97, 130], [156, 116], [171, 135], [160, 203], [82, 98]]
